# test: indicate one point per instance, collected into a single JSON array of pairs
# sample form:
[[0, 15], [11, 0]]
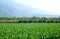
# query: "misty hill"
[[9, 8]]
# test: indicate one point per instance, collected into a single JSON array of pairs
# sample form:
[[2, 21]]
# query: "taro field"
[[29, 30]]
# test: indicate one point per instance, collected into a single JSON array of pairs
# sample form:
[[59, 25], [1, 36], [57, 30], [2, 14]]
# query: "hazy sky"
[[46, 5]]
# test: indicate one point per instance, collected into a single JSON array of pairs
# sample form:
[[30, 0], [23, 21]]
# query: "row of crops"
[[29, 30], [29, 20]]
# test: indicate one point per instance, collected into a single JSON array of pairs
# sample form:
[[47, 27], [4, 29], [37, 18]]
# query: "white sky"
[[46, 5]]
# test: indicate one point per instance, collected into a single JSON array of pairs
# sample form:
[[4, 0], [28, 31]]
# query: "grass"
[[29, 30]]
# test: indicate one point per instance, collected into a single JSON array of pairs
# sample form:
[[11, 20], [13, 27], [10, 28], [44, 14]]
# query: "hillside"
[[9, 8]]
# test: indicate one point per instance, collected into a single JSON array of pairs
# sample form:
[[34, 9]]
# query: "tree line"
[[29, 20]]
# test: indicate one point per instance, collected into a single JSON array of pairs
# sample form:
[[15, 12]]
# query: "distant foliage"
[[29, 20]]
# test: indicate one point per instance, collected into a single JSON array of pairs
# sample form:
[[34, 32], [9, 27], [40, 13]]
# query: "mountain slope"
[[9, 8]]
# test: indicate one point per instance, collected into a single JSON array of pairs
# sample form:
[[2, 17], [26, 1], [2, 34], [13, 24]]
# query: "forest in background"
[[29, 20]]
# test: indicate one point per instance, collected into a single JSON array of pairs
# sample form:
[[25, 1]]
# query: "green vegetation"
[[29, 30], [29, 20]]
